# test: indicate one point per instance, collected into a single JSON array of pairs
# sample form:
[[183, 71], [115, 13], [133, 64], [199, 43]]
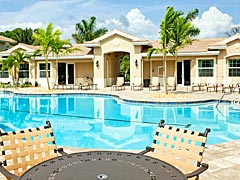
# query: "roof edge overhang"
[[66, 57], [217, 47], [91, 45], [141, 43], [208, 53], [232, 54]]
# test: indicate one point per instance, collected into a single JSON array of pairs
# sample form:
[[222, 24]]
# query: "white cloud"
[[21, 25], [213, 23], [135, 23]]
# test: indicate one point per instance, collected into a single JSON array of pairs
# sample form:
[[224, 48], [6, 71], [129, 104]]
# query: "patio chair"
[[213, 84], [25, 148], [155, 85], [199, 83], [170, 83], [119, 84], [86, 84], [136, 86], [225, 84], [180, 147]]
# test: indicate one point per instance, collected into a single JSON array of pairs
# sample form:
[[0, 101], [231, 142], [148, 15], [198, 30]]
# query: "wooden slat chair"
[[25, 148], [179, 147]]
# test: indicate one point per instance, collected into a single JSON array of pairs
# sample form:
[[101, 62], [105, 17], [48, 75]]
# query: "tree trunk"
[[174, 86], [165, 71], [47, 72]]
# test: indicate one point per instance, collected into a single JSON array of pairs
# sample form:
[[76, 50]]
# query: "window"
[[234, 67], [24, 71], [42, 70], [3, 74], [205, 67]]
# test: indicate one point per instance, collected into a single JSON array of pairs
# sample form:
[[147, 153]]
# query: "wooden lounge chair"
[[155, 85], [25, 148], [180, 147], [119, 84]]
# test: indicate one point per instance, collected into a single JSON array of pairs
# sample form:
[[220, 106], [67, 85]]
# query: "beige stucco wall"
[[108, 55]]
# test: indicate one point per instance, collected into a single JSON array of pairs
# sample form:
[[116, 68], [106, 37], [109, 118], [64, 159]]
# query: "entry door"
[[70, 73], [184, 73], [61, 73], [187, 72], [179, 73]]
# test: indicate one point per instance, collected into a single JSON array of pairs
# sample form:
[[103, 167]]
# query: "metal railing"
[[231, 92]]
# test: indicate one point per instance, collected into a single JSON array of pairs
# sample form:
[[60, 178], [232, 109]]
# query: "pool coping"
[[166, 101]]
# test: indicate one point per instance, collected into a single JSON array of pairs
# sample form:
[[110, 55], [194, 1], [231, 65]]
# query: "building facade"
[[99, 60]]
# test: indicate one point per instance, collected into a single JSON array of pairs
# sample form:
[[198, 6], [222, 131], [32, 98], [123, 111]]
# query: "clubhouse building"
[[99, 60]]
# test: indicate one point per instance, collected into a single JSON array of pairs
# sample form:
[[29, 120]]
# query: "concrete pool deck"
[[223, 159]]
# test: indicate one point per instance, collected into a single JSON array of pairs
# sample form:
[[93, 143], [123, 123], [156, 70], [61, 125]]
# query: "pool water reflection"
[[106, 122]]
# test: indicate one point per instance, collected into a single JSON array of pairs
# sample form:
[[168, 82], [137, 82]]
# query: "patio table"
[[112, 165]]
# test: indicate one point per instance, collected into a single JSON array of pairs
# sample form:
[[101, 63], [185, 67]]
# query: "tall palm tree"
[[46, 39], [182, 35], [166, 28], [86, 31], [62, 47]]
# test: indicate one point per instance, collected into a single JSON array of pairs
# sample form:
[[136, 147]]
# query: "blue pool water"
[[106, 122]]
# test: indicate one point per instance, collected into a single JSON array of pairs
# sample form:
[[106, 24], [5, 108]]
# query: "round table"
[[107, 165]]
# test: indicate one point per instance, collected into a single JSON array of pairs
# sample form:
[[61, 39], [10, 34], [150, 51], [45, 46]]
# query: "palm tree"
[[176, 30], [234, 30], [21, 35], [86, 31], [46, 39], [12, 63], [166, 28], [182, 35], [8, 64], [62, 47]]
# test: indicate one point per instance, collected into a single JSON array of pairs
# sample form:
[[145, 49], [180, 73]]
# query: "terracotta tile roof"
[[83, 50], [6, 39], [198, 45]]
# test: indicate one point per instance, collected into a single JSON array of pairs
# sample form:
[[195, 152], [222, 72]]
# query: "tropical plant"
[[125, 67], [46, 39], [21, 35], [234, 30], [62, 47], [166, 28], [182, 35], [86, 31], [12, 63], [176, 31]]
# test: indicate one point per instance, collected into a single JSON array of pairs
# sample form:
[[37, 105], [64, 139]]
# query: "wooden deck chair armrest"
[[61, 151], [148, 149], [6, 173], [203, 167]]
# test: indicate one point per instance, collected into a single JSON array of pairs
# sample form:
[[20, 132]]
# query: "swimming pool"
[[106, 122]]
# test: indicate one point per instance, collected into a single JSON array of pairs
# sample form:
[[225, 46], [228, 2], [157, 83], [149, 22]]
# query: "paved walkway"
[[224, 158]]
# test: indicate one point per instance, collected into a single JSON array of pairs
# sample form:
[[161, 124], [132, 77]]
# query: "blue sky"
[[137, 17]]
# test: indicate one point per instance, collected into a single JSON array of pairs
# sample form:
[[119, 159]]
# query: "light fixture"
[[136, 63], [97, 64]]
